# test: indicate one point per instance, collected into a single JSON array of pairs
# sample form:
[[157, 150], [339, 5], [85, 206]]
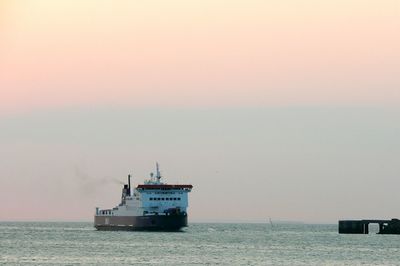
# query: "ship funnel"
[[129, 185]]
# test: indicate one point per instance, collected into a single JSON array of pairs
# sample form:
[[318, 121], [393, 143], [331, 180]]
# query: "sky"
[[285, 109]]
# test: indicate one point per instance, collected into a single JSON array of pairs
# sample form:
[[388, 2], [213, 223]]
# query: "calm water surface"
[[201, 244]]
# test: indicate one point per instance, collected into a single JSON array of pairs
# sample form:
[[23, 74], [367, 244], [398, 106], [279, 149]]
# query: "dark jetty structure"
[[361, 226]]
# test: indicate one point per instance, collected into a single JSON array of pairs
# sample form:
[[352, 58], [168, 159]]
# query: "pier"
[[362, 226]]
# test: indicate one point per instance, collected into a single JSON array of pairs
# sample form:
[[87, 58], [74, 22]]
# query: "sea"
[[76, 243]]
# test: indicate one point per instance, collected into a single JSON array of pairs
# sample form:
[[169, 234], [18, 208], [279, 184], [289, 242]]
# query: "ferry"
[[153, 205]]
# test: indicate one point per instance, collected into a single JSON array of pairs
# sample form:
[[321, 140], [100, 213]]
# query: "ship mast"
[[158, 174]]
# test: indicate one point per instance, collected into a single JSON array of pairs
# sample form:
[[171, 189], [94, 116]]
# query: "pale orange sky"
[[294, 96], [198, 53]]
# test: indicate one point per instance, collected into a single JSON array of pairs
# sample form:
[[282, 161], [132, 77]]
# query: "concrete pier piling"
[[362, 226]]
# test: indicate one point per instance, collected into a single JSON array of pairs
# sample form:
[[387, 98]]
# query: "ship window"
[[179, 198], [151, 198], [174, 198], [158, 198], [162, 199]]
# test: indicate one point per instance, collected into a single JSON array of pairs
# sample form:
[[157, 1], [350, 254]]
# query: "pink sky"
[[198, 53], [297, 56]]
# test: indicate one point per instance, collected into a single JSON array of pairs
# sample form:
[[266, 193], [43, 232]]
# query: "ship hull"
[[141, 223]]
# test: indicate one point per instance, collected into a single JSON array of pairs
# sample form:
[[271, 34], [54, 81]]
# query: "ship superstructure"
[[153, 205]]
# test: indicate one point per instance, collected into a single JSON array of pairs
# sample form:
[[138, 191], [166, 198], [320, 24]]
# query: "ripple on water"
[[212, 244]]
